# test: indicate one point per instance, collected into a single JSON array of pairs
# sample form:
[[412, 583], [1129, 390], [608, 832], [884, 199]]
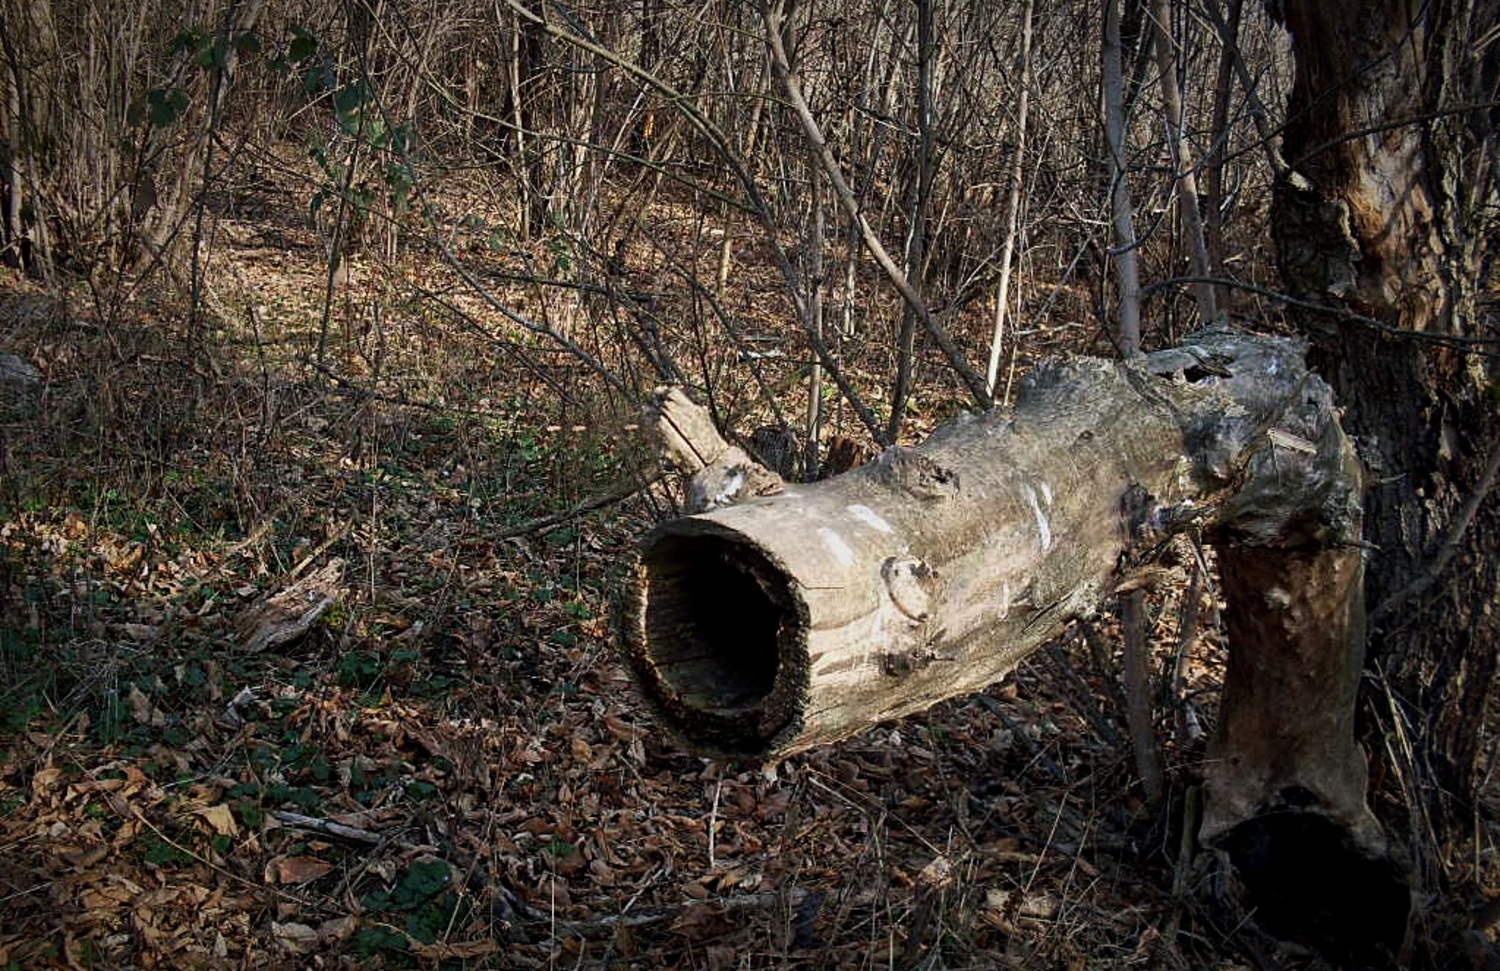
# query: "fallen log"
[[780, 616], [765, 625]]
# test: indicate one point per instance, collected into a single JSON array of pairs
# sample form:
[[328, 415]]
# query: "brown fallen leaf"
[[296, 870], [462, 950], [602, 872], [220, 818], [82, 858], [294, 937], [44, 780], [703, 922], [337, 928], [142, 710], [937, 873]]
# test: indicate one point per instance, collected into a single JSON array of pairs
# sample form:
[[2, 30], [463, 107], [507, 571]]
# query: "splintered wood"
[[290, 613]]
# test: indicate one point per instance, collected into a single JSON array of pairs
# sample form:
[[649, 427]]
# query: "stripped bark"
[[1385, 211], [1122, 215]]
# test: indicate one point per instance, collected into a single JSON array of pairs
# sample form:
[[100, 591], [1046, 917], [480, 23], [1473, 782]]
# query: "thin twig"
[[1448, 340], [327, 827], [582, 509], [755, 201]]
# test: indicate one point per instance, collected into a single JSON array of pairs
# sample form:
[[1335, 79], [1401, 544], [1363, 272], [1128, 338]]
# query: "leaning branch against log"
[[790, 616], [720, 474]]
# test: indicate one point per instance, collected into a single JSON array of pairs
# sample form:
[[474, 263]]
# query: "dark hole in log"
[[718, 619], [1307, 882]]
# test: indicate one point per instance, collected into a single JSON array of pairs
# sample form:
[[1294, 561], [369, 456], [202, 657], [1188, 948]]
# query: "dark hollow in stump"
[[725, 620], [781, 616]]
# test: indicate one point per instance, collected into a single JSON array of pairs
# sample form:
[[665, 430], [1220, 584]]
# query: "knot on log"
[[911, 584], [916, 474]]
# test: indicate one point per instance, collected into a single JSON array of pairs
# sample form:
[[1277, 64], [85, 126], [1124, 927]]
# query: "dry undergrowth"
[[450, 767]]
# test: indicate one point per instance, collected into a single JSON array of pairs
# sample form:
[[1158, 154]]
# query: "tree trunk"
[[1184, 172], [1382, 217], [1017, 179], [1116, 127], [1379, 218]]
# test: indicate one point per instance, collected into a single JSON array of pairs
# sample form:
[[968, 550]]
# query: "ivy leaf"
[[349, 98], [425, 880], [303, 46], [163, 107]]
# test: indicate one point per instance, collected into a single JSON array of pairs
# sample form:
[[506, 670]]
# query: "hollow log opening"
[[713, 622], [719, 629], [1306, 881]]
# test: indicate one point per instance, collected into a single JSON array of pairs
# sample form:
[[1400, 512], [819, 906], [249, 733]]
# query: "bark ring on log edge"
[[730, 663]]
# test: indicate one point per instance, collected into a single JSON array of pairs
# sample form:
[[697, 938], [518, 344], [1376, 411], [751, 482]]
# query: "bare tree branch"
[[877, 250]]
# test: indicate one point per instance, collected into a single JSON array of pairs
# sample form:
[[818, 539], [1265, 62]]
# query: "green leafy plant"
[[424, 903], [161, 109], [359, 668], [24, 700], [159, 851]]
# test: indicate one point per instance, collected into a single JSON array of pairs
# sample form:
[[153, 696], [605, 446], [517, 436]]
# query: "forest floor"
[[448, 766]]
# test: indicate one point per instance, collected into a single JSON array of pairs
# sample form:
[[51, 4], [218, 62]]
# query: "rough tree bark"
[[1391, 143]]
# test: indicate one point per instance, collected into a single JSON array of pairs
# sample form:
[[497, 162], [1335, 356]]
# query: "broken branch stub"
[[810, 612]]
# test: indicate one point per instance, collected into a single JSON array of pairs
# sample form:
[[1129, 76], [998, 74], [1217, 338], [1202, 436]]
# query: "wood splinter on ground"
[[287, 615]]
